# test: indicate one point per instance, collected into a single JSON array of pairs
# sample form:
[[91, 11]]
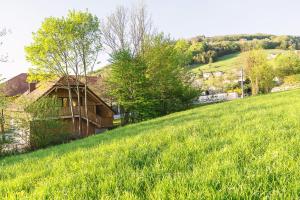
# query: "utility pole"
[[242, 82]]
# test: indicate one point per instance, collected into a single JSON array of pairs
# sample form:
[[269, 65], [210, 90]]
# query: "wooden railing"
[[66, 112]]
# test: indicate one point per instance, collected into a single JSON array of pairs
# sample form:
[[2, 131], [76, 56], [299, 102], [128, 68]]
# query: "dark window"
[[98, 110], [64, 101]]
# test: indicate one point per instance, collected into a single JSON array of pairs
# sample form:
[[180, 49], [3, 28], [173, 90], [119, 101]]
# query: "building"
[[100, 115], [15, 86]]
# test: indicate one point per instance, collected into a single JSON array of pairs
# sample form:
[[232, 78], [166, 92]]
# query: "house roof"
[[44, 88], [15, 86]]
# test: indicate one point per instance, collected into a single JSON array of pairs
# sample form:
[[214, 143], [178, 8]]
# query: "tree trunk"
[[85, 102], [85, 91], [79, 109], [2, 121], [125, 118], [71, 104], [256, 86]]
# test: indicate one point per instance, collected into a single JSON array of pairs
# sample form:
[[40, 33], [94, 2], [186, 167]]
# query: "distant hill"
[[248, 37], [206, 50], [252, 154], [227, 63], [223, 52]]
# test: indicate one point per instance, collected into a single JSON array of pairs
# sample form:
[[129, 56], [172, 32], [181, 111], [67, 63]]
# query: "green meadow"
[[228, 63], [247, 148]]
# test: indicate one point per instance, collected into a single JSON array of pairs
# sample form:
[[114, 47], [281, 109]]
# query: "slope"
[[228, 63], [241, 149]]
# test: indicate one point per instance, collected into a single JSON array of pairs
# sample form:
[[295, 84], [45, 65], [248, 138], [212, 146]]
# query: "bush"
[[47, 132], [287, 63], [292, 79], [3, 141]]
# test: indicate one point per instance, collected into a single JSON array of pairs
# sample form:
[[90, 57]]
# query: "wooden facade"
[[100, 115]]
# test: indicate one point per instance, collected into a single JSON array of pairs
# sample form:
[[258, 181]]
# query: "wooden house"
[[100, 115], [16, 86]]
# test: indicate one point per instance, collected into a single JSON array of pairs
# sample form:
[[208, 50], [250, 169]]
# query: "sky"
[[179, 18]]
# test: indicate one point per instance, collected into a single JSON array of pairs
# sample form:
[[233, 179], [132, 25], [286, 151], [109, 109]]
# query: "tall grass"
[[241, 149]]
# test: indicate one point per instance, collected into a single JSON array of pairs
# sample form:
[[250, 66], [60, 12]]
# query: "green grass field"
[[228, 63], [241, 149]]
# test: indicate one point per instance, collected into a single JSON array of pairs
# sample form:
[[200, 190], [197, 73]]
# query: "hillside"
[[228, 63], [240, 149]]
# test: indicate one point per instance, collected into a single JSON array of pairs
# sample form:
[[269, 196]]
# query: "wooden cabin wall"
[[69, 125], [106, 114]]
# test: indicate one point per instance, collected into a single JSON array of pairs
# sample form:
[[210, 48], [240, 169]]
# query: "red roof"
[[15, 86]]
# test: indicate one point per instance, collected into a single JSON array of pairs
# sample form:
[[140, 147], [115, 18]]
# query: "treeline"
[[147, 78], [202, 50], [235, 37], [262, 72]]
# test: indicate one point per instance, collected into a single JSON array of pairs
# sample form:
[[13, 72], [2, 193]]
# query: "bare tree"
[[126, 29], [140, 26], [114, 30], [3, 57]]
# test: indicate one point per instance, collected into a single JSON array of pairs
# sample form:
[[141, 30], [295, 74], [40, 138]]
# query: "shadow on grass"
[[121, 133], [201, 112]]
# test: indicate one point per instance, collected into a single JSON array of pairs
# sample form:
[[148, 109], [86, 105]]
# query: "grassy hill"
[[228, 63], [246, 148], [225, 63]]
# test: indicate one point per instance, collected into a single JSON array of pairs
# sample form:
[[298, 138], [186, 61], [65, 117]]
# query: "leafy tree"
[[152, 83], [64, 47], [259, 71], [50, 53], [86, 42], [198, 49], [128, 85], [170, 82], [183, 48], [287, 63]]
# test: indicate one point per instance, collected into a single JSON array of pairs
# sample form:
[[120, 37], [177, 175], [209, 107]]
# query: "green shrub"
[[292, 79], [47, 132], [3, 141]]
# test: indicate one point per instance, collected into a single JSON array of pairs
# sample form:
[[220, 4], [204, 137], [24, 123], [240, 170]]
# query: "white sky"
[[181, 19]]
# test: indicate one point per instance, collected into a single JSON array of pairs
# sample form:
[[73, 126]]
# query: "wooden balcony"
[[65, 112]]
